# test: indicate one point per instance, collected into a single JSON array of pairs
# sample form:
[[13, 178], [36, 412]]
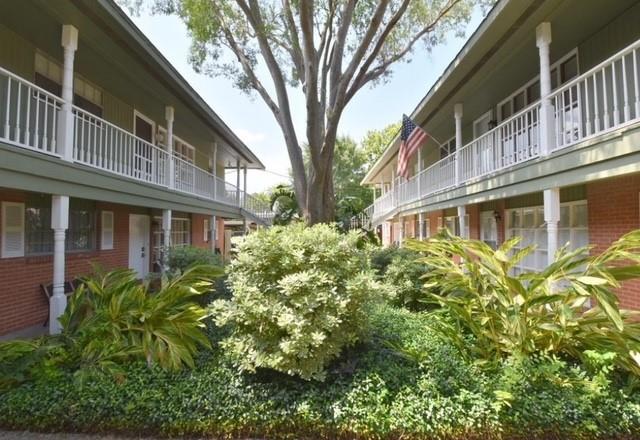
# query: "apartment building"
[[107, 156], [535, 132]]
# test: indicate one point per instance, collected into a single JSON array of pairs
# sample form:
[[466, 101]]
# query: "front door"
[[142, 152], [139, 232], [489, 228]]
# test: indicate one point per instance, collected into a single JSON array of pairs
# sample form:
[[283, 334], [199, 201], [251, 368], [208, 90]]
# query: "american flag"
[[411, 137]]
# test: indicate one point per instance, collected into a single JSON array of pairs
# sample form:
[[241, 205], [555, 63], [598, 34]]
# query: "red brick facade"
[[22, 303], [614, 210]]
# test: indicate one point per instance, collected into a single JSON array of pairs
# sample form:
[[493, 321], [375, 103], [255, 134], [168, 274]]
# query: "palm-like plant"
[[534, 312], [111, 318]]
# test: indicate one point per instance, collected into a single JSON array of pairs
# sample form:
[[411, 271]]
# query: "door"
[[143, 128], [139, 232], [489, 229]]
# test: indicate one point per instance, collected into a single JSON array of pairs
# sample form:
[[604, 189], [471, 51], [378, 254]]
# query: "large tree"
[[326, 49]]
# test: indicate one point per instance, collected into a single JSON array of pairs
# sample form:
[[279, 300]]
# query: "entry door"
[[142, 154], [139, 233], [489, 229]]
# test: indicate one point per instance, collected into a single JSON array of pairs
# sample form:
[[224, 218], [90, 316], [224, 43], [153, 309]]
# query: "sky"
[[371, 109]]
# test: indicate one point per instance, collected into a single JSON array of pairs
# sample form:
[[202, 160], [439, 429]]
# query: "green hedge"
[[369, 392]]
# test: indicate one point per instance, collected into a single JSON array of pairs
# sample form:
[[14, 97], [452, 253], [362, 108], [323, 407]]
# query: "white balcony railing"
[[100, 144], [605, 98], [28, 114], [29, 118]]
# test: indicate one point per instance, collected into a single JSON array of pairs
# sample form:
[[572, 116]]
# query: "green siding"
[[451, 212], [568, 194], [16, 53], [614, 36], [117, 112]]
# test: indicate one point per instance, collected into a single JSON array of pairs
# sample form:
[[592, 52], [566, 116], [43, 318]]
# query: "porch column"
[[214, 169], [402, 232], [238, 182], [166, 235], [462, 212], [551, 218], [65, 118], [393, 187], [59, 224], [171, 170], [419, 171], [212, 232], [547, 136], [244, 186], [457, 113], [420, 224]]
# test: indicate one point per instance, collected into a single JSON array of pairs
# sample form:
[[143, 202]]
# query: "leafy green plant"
[[298, 298], [381, 257], [180, 258], [534, 312], [403, 277], [111, 319], [381, 396]]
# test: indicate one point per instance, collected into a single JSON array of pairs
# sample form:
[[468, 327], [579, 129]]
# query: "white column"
[[419, 171], [462, 212], [238, 182], [402, 232], [547, 137], [166, 235], [244, 185], [212, 227], [65, 119], [171, 170], [420, 226], [214, 170], [552, 218], [59, 224], [457, 114]]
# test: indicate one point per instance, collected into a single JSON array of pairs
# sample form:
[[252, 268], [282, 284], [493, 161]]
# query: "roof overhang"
[[477, 50], [118, 23]]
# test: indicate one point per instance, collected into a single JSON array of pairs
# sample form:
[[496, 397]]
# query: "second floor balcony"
[[33, 118], [604, 99]]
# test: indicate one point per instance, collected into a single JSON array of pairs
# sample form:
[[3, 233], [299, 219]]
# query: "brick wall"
[[197, 231], [474, 221], [22, 304], [613, 210]]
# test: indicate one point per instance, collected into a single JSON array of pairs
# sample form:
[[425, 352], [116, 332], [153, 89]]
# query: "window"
[[562, 71], [183, 151], [207, 230], [12, 229], [489, 229], [106, 236], [452, 224], [48, 75], [39, 235], [448, 148], [180, 232], [529, 224]]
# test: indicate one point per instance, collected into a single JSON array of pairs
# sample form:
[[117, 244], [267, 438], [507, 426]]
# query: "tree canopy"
[[328, 50]]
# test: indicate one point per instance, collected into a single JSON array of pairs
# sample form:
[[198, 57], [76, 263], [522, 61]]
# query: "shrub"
[[112, 319], [403, 277], [534, 312], [380, 396], [180, 258], [381, 257], [298, 298]]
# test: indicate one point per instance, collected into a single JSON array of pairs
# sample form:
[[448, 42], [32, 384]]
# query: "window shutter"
[[12, 229], [106, 236]]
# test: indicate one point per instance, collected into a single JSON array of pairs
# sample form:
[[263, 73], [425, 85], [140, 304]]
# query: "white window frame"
[[4, 252], [138, 114], [526, 86], [541, 251], [206, 227], [449, 146], [104, 244], [485, 115], [186, 144]]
